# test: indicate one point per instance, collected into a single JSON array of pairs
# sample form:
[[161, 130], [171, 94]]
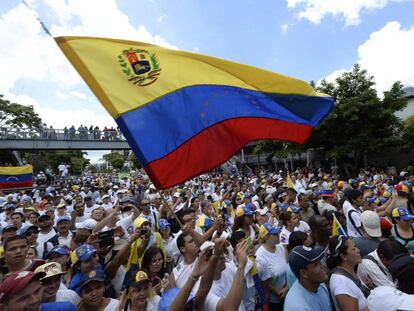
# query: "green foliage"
[[407, 143], [133, 158], [52, 159], [16, 115], [115, 159], [360, 121], [280, 149]]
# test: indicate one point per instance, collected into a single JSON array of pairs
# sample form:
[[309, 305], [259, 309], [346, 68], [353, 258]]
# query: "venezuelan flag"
[[183, 113], [16, 176], [337, 229]]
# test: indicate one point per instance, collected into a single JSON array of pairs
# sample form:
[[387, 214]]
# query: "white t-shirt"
[[220, 289], [67, 295], [341, 285], [356, 217], [181, 274], [112, 306], [285, 234], [274, 267], [303, 226]]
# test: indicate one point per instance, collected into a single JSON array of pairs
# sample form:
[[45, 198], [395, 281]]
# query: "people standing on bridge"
[[72, 133]]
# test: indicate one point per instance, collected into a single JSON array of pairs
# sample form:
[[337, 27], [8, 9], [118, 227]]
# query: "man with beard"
[[47, 234]]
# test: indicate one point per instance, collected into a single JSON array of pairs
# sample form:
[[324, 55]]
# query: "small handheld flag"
[[337, 229], [289, 181]]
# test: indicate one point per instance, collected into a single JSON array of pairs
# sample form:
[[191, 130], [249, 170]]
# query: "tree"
[[16, 115], [115, 159], [360, 122], [41, 159], [135, 162], [407, 138]]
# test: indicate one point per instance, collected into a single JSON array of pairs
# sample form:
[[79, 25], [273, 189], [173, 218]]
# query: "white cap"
[[262, 211], [152, 187], [88, 224], [387, 298], [105, 197], [371, 224]]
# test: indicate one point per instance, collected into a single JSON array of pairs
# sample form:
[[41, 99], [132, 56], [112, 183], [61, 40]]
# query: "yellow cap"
[[140, 221], [341, 184], [141, 276]]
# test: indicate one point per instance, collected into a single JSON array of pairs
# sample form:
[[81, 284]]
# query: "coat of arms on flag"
[[140, 66]]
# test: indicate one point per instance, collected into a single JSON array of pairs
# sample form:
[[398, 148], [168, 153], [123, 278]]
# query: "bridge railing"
[[59, 134]]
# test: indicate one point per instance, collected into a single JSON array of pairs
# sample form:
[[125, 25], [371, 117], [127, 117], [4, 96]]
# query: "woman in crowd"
[[84, 260], [91, 289], [402, 230], [290, 222], [140, 295], [272, 255], [244, 220], [153, 263], [347, 290]]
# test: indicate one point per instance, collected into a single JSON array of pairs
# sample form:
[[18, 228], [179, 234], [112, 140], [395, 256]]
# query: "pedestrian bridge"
[[55, 139]]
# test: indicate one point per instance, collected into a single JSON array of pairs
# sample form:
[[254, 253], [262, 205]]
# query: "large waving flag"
[[183, 113], [16, 176]]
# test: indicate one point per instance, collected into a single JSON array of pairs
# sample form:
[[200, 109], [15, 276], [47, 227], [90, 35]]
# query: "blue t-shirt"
[[58, 306], [291, 277], [299, 298]]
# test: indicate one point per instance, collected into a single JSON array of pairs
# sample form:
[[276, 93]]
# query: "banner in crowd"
[[184, 113], [16, 176]]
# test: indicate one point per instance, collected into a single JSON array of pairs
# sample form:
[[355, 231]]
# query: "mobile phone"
[[106, 238]]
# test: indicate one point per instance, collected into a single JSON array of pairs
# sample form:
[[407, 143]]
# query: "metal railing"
[[58, 134]]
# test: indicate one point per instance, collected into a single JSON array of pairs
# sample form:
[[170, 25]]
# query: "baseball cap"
[[390, 299], [61, 205], [50, 269], [16, 282], [105, 197], [139, 221], [94, 275], [371, 223], [293, 209], [60, 249], [266, 229], [401, 188], [140, 276], [327, 193], [262, 211], [386, 225], [168, 298], [88, 224], [9, 227], [25, 230], [163, 224], [63, 218], [403, 213], [301, 256], [82, 253], [341, 184], [242, 210]]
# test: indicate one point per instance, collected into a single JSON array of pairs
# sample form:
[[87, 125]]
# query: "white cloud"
[[59, 118], [29, 55], [78, 94], [196, 50], [334, 75], [161, 18], [284, 28], [350, 10], [388, 56]]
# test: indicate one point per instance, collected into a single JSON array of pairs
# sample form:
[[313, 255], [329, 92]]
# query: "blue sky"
[[306, 39]]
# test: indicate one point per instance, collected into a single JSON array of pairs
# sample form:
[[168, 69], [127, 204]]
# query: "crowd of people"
[[308, 240], [71, 133]]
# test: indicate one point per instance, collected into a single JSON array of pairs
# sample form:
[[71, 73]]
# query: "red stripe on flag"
[[10, 185], [220, 141]]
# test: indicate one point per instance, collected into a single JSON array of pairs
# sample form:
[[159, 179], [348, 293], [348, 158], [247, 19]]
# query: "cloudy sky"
[[307, 39]]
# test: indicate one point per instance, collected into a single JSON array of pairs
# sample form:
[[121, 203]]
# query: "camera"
[[143, 231]]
